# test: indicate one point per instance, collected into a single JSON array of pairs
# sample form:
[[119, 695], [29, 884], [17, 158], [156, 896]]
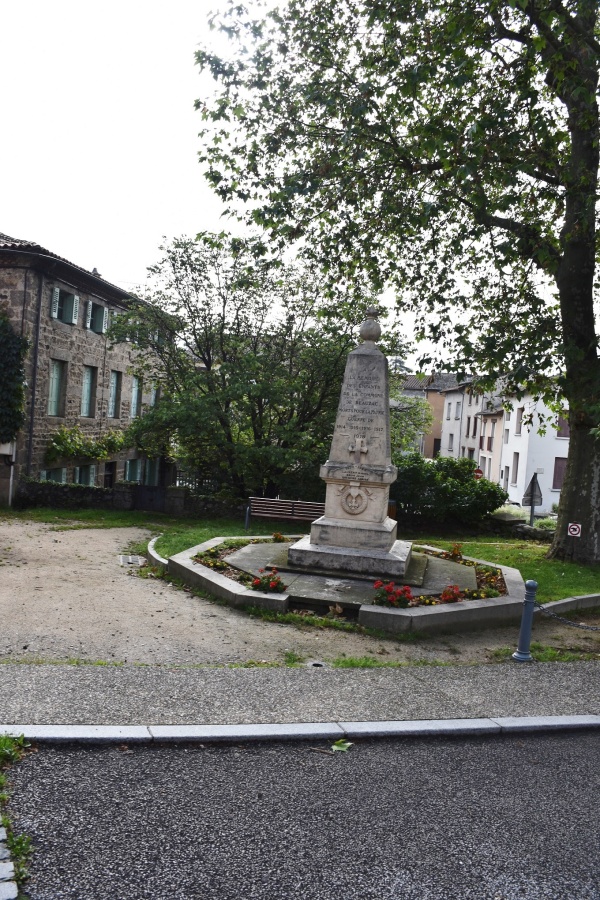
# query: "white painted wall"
[[537, 453]]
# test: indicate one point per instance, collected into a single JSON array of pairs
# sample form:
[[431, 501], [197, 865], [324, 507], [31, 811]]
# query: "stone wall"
[[61, 496], [26, 289]]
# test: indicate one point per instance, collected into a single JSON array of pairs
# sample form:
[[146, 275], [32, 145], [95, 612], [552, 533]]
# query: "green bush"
[[443, 490]]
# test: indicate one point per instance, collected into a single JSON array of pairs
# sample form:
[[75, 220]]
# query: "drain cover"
[[315, 664], [126, 560]]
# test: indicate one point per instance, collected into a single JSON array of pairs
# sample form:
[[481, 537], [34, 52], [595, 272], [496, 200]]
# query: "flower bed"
[[490, 584]]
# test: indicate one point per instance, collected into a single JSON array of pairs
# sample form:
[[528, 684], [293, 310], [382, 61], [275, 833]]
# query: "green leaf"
[[342, 745]]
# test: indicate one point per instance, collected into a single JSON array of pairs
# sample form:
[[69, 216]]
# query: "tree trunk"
[[580, 501], [580, 494]]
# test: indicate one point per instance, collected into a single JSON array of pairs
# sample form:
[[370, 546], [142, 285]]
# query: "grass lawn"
[[556, 579]]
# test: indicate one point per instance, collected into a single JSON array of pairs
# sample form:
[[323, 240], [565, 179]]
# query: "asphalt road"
[[499, 818]]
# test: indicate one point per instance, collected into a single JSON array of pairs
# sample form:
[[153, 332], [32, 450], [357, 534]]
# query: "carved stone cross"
[[359, 446]]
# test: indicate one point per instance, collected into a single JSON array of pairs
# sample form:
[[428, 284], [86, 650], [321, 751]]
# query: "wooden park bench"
[[290, 510]]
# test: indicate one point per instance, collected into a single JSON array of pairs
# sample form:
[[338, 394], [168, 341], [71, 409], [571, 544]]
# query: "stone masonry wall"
[[27, 293]]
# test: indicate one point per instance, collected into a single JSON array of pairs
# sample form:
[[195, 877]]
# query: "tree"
[[410, 417], [448, 148], [13, 349], [249, 365]]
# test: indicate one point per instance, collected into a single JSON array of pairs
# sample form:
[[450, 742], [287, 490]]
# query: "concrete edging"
[[463, 616], [199, 576], [156, 734], [155, 558]]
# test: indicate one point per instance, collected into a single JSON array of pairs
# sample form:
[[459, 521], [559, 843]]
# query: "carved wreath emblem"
[[354, 499]]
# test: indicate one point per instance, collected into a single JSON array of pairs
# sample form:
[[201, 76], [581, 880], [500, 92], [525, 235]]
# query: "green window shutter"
[[76, 475], [126, 473], [135, 391], [75, 310], [104, 320], [88, 314], [92, 480], [86, 391], [112, 395], [55, 387], [43, 475], [54, 304], [63, 476]]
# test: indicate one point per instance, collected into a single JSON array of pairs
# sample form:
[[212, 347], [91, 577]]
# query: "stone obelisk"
[[356, 534]]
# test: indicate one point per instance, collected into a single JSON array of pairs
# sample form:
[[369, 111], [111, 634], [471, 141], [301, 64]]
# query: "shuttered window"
[[56, 387], [64, 306], [114, 395], [136, 396], [560, 467], [562, 428], [88, 390]]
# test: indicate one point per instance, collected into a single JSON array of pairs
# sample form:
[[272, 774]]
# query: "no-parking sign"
[[574, 529]]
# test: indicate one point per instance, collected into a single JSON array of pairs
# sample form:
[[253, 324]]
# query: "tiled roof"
[[11, 243], [415, 382], [443, 381]]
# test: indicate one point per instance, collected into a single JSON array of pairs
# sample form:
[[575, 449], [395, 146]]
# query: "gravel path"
[[64, 595]]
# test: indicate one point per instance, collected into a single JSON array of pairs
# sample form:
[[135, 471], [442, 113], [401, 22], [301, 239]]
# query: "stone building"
[[73, 375]]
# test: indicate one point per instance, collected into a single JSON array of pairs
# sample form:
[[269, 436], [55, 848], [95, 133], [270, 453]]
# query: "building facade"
[[73, 375]]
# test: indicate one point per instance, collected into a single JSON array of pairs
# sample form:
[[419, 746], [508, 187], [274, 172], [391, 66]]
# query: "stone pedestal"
[[356, 535]]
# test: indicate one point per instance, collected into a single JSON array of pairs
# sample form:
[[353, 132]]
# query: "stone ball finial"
[[370, 330]]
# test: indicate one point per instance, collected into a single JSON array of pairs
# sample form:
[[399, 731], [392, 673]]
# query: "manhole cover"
[[127, 560]]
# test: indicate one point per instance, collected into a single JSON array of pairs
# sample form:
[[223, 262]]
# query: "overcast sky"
[[99, 149]]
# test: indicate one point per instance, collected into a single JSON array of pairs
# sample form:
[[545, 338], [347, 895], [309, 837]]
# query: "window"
[[96, 317], [483, 427], [519, 422], [56, 389], [471, 453], [133, 470], [474, 427], [64, 306], [562, 428], [507, 415], [59, 475], [560, 467], [110, 474], [114, 395], [515, 468], [136, 396], [506, 435], [154, 395], [462, 451], [468, 426], [450, 442], [470, 398], [151, 473], [449, 411], [84, 475], [88, 392], [457, 412]]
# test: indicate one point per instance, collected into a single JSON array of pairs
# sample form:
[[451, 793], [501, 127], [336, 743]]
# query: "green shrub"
[[443, 490], [547, 524]]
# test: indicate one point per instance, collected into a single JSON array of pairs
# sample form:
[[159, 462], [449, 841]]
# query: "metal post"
[[247, 522], [522, 653]]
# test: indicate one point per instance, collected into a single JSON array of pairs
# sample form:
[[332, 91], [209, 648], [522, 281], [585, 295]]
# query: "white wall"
[[537, 454]]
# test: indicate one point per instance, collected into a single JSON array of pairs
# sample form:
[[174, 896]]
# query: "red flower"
[[256, 582], [261, 570], [272, 584], [377, 585]]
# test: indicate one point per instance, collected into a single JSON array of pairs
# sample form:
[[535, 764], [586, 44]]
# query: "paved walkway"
[[152, 695]]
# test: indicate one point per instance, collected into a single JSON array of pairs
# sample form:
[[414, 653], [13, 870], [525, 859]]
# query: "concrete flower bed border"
[[462, 616]]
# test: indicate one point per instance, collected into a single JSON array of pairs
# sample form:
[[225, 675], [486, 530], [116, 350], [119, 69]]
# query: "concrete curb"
[[311, 731], [155, 558]]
